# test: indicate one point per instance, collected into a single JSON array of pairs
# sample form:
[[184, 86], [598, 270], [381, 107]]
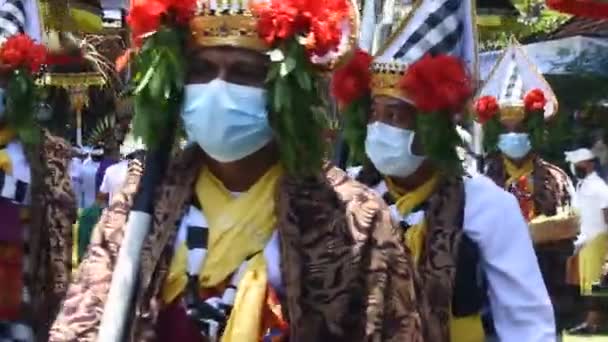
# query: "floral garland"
[[21, 59], [351, 88], [295, 31], [487, 109], [439, 86]]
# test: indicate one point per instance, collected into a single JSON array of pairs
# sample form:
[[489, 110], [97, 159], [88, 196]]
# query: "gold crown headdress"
[[226, 23], [431, 27], [233, 23], [511, 78]]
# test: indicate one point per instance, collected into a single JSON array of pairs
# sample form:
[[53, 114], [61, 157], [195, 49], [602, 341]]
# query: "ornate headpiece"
[[433, 27], [226, 23], [514, 89]]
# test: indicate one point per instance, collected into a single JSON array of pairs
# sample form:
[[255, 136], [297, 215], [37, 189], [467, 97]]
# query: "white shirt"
[[75, 170], [519, 301], [114, 178], [88, 189], [591, 200]]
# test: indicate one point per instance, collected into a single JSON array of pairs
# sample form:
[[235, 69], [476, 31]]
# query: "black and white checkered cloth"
[[12, 18], [440, 32], [13, 189]]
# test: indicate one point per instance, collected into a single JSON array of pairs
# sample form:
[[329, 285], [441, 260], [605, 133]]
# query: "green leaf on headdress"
[[21, 104], [160, 77]]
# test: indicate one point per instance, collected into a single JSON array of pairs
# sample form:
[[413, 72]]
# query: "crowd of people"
[[228, 222]]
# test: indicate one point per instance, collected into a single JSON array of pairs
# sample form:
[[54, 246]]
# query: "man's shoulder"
[[555, 171], [481, 193]]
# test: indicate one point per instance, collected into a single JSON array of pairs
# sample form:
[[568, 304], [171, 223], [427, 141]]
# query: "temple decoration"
[[77, 85], [595, 9]]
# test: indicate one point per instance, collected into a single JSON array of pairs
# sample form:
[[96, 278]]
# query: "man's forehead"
[[228, 53], [393, 102]]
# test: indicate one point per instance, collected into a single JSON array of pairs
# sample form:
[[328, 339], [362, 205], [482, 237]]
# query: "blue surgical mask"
[[228, 121], [514, 145], [390, 149]]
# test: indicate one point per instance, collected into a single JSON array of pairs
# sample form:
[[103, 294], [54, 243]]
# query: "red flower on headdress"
[[438, 83], [182, 9], [486, 107], [352, 81], [20, 51], [318, 22], [146, 16], [277, 21], [535, 100]]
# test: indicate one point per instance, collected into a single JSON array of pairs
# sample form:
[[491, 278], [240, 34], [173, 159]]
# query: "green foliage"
[[297, 115], [439, 139], [159, 84], [491, 130], [21, 101], [355, 129], [535, 125], [495, 38]]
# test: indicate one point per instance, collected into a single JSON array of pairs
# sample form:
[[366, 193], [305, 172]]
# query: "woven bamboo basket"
[[555, 228]]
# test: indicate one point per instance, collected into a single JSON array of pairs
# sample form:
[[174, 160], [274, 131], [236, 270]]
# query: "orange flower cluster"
[[20, 51], [352, 81], [319, 22], [146, 17], [437, 83]]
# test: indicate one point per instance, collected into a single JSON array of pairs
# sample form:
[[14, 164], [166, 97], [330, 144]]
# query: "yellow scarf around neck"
[[515, 173], [6, 136], [239, 227], [463, 329], [406, 202]]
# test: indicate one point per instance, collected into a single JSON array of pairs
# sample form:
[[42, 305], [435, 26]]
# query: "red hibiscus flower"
[[182, 9], [277, 21], [486, 107], [352, 81], [146, 16], [535, 100], [318, 21], [437, 84], [20, 51]]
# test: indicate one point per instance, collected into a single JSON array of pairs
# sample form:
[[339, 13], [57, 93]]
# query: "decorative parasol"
[[595, 9], [77, 85]]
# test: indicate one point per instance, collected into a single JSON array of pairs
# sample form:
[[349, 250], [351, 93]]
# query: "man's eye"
[[247, 75]]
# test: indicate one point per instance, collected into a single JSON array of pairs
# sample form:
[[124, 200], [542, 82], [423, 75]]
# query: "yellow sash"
[[515, 173], [462, 329], [238, 228], [406, 202], [6, 135]]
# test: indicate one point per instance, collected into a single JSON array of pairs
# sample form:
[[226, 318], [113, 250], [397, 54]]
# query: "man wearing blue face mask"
[[253, 237], [513, 105], [459, 228]]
